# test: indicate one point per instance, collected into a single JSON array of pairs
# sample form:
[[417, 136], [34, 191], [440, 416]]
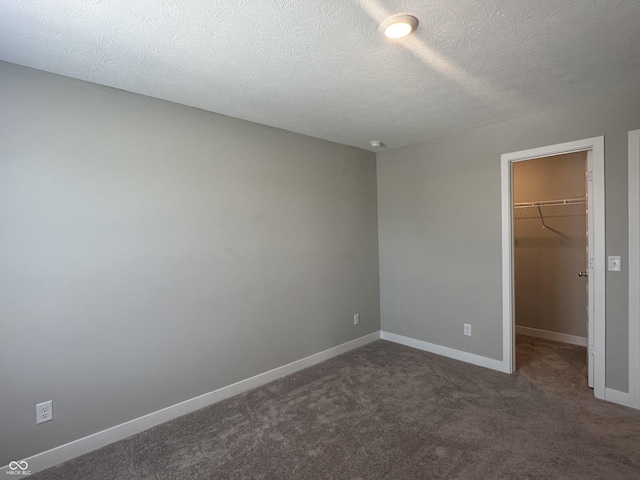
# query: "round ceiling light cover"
[[399, 26]]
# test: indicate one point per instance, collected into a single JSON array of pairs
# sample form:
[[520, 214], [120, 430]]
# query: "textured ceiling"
[[321, 68]]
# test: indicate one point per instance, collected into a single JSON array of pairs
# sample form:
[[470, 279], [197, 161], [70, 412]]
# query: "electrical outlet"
[[44, 412], [356, 319], [467, 329]]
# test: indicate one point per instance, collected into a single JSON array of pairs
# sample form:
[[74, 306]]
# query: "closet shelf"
[[551, 203], [569, 207]]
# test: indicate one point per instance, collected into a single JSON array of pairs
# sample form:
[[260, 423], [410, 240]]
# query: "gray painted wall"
[[548, 293], [153, 252], [440, 227]]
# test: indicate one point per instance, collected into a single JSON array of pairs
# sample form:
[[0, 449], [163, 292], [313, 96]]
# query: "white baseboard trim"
[[445, 351], [621, 398], [58, 455], [554, 336]]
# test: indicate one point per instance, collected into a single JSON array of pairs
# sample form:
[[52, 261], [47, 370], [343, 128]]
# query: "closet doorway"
[[552, 270], [550, 253]]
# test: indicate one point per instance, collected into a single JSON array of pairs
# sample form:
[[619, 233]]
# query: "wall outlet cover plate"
[[44, 412]]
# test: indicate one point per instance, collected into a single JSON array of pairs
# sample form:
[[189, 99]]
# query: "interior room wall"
[[153, 252], [439, 216], [549, 295]]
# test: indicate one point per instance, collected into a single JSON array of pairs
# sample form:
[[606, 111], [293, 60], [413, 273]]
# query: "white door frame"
[[634, 268], [596, 224]]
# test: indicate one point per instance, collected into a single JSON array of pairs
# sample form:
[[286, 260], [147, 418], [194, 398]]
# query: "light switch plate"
[[615, 264]]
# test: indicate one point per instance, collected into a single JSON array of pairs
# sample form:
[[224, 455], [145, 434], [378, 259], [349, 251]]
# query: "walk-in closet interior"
[[550, 249]]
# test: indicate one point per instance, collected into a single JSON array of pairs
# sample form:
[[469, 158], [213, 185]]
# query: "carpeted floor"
[[386, 411]]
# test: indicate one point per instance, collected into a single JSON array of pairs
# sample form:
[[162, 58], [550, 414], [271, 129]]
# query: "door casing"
[[634, 269], [596, 262]]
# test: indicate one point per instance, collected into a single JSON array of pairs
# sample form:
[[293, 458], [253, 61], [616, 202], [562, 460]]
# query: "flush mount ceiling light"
[[399, 26], [376, 143]]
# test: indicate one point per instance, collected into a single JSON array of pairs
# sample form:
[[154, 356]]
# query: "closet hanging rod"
[[567, 201]]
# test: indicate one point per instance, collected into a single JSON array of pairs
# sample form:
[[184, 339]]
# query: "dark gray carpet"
[[386, 411]]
